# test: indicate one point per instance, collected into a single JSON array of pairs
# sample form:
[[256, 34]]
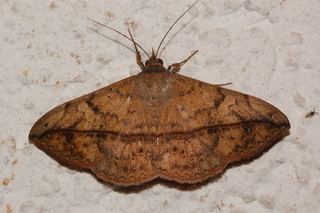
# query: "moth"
[[158, 124]]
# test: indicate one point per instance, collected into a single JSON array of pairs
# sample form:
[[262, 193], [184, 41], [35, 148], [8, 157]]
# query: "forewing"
[[212, 127], [71, 132]]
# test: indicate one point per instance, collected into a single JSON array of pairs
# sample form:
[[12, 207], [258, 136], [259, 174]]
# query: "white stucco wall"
[[269, 49]]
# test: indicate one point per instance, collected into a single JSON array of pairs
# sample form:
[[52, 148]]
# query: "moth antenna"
[[120, 34], [174, 24], [138, 56]]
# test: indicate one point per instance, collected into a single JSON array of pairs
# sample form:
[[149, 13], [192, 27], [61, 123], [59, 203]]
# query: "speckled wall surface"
[[269, 49]]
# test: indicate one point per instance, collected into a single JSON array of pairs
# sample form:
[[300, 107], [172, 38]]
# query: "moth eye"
[[160, 61], [147, 62]]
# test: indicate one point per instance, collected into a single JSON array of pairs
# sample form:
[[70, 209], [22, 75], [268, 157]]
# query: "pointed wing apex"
[[245, 108]]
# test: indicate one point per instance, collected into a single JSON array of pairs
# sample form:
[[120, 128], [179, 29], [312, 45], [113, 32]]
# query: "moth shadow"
[[163, 182]]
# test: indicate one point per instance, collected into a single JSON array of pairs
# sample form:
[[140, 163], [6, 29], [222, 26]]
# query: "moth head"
[[153, 60], [157, 61]]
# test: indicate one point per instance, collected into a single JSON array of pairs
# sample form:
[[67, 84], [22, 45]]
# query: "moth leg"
[[177, 66], [138, 56]]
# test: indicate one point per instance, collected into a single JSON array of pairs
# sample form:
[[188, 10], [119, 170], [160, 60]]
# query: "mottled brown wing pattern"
[[159, 124], [69, 132], [217, 126]]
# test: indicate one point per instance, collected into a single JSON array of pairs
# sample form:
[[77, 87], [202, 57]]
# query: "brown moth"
[[158, 124]]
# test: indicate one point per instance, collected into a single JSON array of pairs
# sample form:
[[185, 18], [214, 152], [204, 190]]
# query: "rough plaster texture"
[[269, 49]]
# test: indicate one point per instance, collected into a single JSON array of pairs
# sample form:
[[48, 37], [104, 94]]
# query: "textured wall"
[[269, 49]]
